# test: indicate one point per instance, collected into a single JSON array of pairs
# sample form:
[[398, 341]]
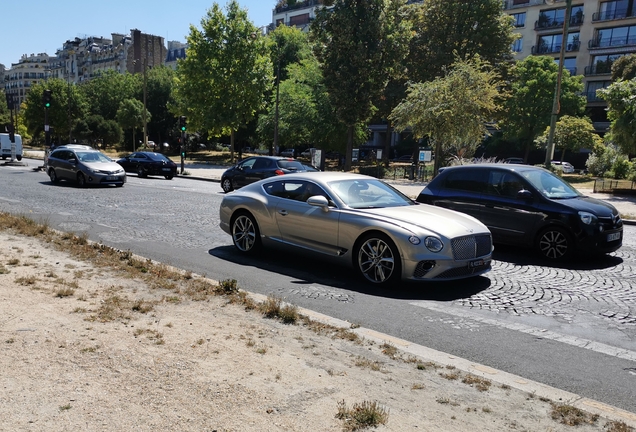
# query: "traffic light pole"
[[182, 152]]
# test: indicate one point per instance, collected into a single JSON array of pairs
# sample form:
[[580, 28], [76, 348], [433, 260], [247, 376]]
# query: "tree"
[[96, 129], [573, 133], [131, 116], [624, 68], [105, 93], [221, 82], [451, 111], [159, 96], [67, 106], [529, 108], [359, 44], [621, 111], [445, 31], [5, 117]]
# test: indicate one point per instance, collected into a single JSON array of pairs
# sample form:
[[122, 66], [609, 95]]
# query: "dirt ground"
[[88, 348]]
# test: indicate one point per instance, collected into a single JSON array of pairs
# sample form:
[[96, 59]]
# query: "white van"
[[5, 146]]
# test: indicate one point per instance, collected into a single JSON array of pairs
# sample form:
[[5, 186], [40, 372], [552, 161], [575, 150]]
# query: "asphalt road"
[[570, 327]]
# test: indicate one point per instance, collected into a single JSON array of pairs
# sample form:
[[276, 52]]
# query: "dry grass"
[[615, 426], [361, 415], [369, 364], [479, 383], [571, 416]]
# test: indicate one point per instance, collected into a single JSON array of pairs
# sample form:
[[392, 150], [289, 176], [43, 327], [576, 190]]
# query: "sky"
[[42, 26]]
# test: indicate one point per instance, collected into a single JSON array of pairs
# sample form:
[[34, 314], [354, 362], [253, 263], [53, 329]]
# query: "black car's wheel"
[[53, 176], [377, 259], [81, 180], [226, 185], [245, 233], [169, 177], [141, 172], [119, 185], [555, 243], [18, 157]]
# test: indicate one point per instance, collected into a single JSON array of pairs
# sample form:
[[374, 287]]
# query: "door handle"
[[282, 212]]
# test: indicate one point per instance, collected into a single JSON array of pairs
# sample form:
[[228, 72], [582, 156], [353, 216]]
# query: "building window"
[[569, 63], [592, 86], [519, 19], [299, 20], [517, 45], [552, 43], [602, 64], [613, 10], [618, 36]]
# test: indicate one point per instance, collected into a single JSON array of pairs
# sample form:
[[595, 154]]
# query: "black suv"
[[257, 168], [528, 206]]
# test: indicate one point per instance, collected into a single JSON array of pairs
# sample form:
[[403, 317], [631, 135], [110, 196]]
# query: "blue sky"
[[42, 26]]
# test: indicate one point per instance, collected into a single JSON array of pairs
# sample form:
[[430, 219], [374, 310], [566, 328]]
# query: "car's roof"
[[505, 166], [324, 176], [74, 146]]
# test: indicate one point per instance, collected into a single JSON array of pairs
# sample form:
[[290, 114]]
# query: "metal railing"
[[613, 15], [555, 48], [610, 185], [612, 42], [598, 69]]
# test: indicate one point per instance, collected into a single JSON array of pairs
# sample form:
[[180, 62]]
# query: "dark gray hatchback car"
[[528, 206]]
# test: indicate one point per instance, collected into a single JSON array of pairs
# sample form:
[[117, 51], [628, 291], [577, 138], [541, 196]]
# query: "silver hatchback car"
[[84, 165]]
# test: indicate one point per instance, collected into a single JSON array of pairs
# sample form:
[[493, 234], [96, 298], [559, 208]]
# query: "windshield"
[[291, 165], [92, 157], [550, 185], [363, 193]]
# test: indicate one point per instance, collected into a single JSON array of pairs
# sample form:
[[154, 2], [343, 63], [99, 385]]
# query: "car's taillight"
[[279, 172]]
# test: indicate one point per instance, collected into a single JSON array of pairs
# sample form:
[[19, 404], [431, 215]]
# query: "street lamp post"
[[275, 145], [549, 151]]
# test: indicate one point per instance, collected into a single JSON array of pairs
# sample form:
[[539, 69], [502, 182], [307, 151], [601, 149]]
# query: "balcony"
[[513, 4], [613, 15], [545, 23], [612, 42], [555, 48], [298, 5], [598, 69]]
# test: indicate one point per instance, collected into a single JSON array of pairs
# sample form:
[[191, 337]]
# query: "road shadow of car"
[[529, 257], [301, 267], [73, 185]]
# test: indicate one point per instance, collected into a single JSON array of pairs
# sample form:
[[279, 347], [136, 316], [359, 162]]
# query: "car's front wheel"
[[53, 176], [81, 180], [168, 177], [245, 233], [377, 259], [141, 172], [555, 243], [226, 185]]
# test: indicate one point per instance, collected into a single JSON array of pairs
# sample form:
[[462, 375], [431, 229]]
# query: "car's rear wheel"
[[377, 259], [226, 185], [555, 243], [81, 180], [53, 176], [141, 172], [245, 233], [168, 177]]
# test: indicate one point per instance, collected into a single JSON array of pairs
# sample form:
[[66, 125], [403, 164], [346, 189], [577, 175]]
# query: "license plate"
[[111, 178], [614, 236], [165, 169], [478, 263]]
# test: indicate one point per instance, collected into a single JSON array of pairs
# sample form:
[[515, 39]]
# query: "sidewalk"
[[625, 204]]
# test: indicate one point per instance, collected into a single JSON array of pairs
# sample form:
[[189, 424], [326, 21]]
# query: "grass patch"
[[273, 307], [615, 426], [571, 416], [13, 261], [64, 292], [389, 350], [4, 270], [369, 364], [479, 383], [361, 415], [26, 280]]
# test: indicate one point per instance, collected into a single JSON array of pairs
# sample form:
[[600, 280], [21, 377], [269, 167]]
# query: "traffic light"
[[182, 123], [46, 98], [11, 133]]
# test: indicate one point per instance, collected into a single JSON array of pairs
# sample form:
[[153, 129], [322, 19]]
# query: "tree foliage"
[[451, 111], [131, 116], [529, 108], [221, 82], [359, 44], [159, 86], [447, 30], [624, 68], [621, 105], [573, 134], [105, 93]]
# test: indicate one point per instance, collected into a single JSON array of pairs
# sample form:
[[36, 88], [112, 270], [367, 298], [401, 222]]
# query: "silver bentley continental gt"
[[361, 221]]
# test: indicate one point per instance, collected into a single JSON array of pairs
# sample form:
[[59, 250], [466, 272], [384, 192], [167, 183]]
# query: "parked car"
[[567, 167], [149, 163], [288, 153], [514, 160], [359, 221], [257, 168], [528, 206], [84, 165]]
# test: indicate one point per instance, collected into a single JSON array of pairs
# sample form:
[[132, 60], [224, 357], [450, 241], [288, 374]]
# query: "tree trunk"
[[349, 153], [232, 147], [438, 157], [133, 139], [387, 143]]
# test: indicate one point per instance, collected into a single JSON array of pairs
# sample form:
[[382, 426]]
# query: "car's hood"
[[428, 218], [104, 166], [584, 203]]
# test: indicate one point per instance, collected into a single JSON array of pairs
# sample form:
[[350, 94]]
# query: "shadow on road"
[[307, 269], [529, 257]]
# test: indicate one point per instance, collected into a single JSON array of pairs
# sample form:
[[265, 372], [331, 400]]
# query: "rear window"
[[472, 180], [291, 165]]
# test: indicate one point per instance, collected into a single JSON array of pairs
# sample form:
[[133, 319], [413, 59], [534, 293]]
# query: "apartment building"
[[30, 70], [599, 33]]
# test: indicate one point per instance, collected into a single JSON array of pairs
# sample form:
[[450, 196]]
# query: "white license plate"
[[111, 178], [165, 169], [614, 236]]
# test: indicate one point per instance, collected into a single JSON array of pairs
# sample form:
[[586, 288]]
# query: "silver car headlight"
[[92, 170], [587, 218], [433, 244]]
